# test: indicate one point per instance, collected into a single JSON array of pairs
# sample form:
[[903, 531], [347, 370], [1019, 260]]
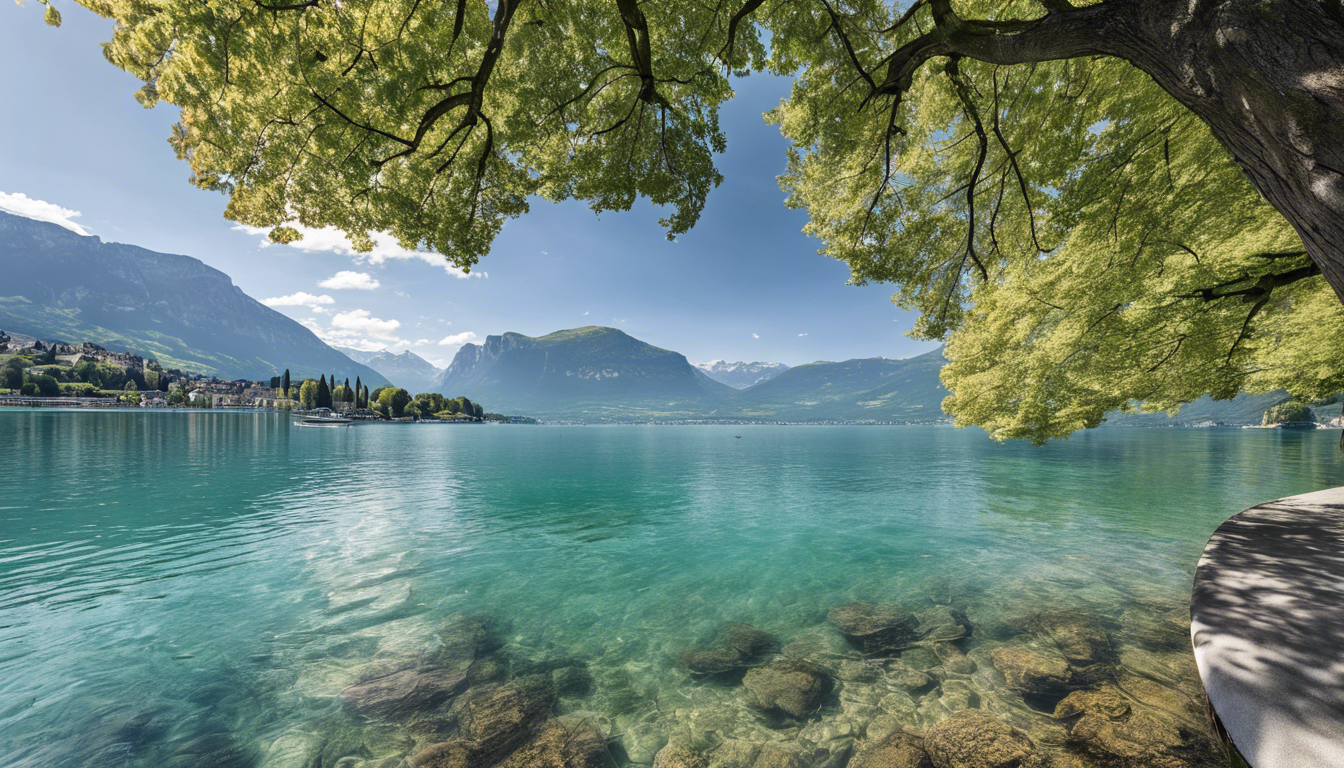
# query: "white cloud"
[[801, 335], [333, 240], [585, 314], [359, 322], [350, 281], [755, 336], [40, 210], [458, 339], [300, 299]]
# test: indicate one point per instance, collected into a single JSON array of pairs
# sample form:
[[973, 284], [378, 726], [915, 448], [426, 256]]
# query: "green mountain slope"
[[55, 284], [870, 389], [590, 373]]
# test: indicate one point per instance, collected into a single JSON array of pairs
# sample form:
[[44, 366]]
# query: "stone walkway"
[[1267, 620]]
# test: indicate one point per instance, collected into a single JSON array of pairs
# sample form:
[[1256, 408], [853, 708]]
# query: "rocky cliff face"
[[58, 284]]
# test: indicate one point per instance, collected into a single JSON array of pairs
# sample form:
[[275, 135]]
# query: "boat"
[[323, 417]]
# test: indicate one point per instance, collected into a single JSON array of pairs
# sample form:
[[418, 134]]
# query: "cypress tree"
[[359, 393], [323, 393], [349, 395], [284, 382]]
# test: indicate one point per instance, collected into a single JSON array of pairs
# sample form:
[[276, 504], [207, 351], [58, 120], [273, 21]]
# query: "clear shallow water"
[[181, 589]]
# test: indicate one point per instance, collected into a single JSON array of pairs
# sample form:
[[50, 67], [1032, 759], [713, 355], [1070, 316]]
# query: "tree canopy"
[[1093, 204]]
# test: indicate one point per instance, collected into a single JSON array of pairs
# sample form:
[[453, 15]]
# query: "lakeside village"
[[36, 373]]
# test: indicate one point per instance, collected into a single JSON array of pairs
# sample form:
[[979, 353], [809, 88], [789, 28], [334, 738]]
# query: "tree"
[[429, 403], [478, 411], [359, 394], [308, 394], [1287, 413], [11, 375], [29, 389], [412, 409], [394, 400], [284, 383], [323, 393], [47, 386], [1096, 205]]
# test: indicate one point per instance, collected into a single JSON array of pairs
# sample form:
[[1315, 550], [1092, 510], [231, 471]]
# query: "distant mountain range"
[[56, 284], [865, 389], [598, 373], [408, 370], [741, 375], [603, 374]]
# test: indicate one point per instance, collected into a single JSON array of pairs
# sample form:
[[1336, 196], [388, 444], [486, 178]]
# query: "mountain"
[[55, 284], [867, 389], [590, 373], [407, 370], [741, 375]]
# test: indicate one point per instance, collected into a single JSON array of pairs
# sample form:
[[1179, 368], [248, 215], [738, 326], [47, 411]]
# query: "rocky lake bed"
[[867, 685]]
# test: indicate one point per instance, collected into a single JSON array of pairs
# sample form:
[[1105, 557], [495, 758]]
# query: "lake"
[[199, 589]]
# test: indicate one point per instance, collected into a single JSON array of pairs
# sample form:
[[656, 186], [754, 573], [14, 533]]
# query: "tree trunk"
[[1267, 76]]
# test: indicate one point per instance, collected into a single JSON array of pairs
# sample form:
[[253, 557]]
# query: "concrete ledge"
[[1267, 622]]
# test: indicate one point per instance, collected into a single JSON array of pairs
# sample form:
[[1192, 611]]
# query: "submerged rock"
[[1032, 673], [734, 647], [450, 754], [736, 753], [747, 640], [954, 660], [1142, 740], [1105, 702], [788, 685], [897, 750], [293, 749], [1081, 639], [679, 756], [465, 638], [876, 629], [974, 739], [560, 743], [406, 691], [496, 720]]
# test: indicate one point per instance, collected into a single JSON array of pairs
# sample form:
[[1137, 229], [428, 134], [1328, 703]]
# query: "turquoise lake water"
[[184, 588]]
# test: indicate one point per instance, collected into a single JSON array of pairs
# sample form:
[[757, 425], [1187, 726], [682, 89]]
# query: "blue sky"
[[745, 284]]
